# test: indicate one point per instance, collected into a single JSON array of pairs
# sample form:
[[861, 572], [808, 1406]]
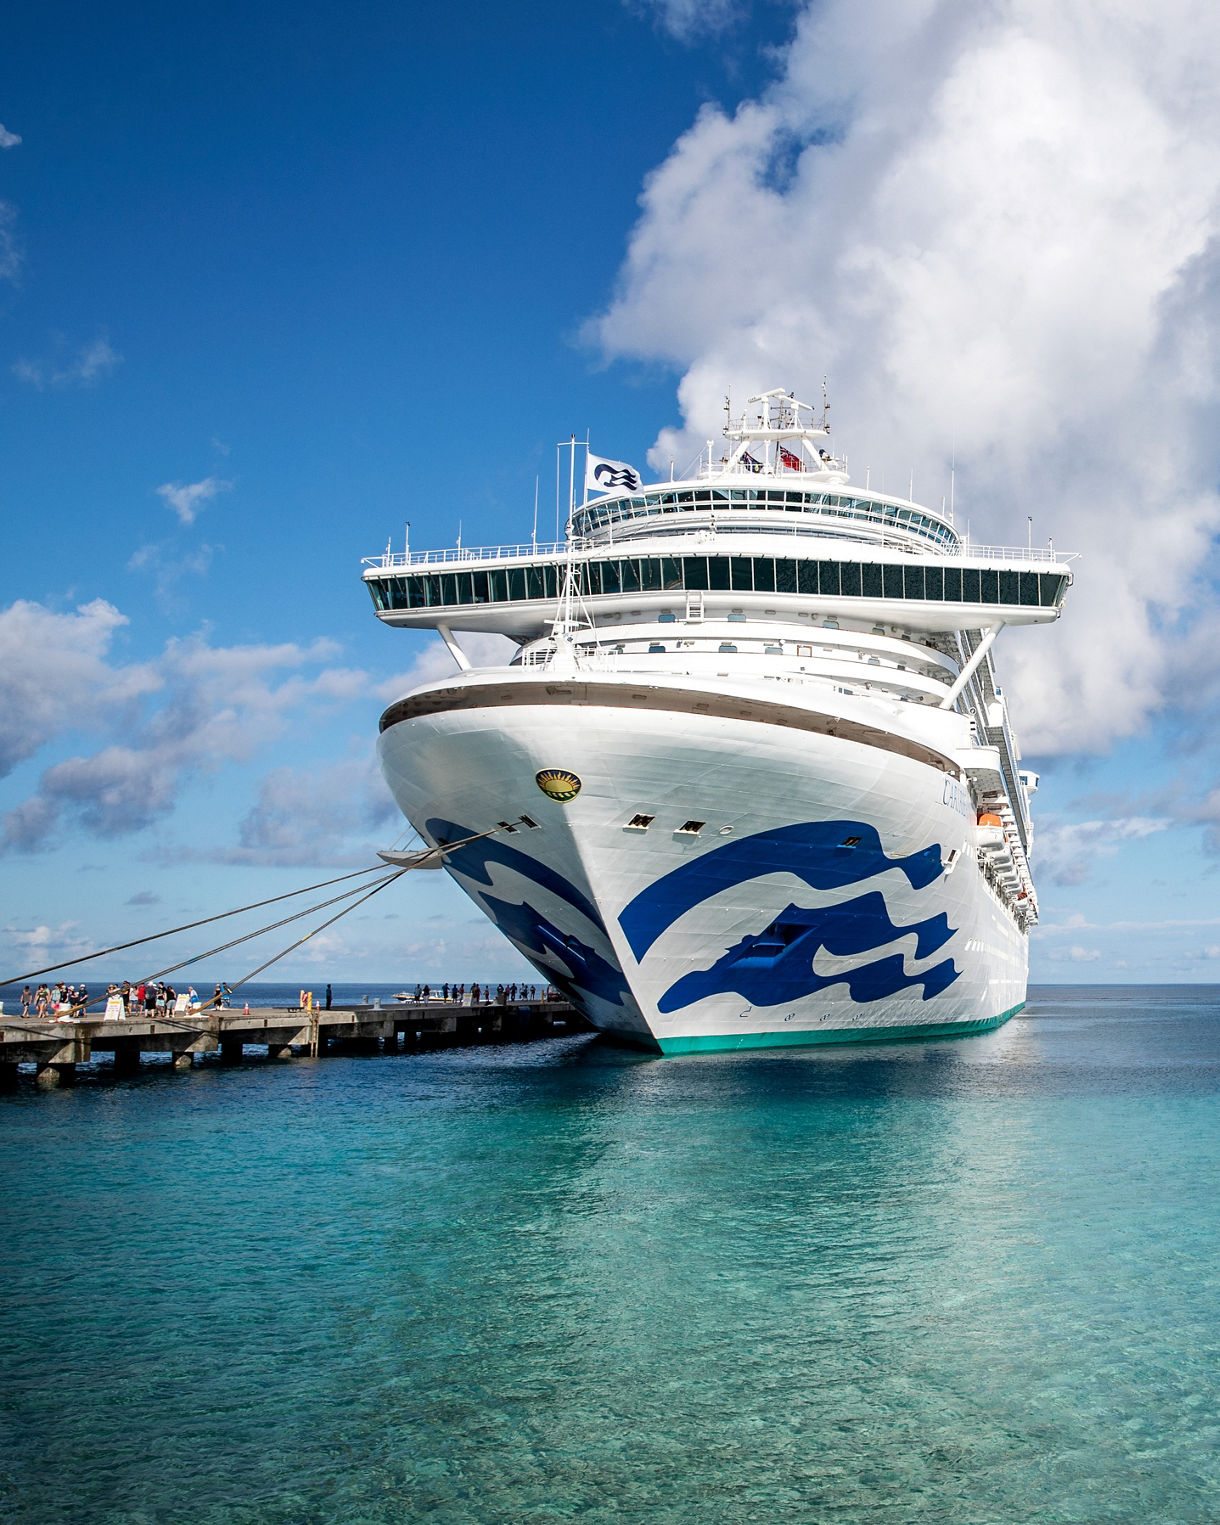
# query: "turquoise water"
[[972, 1280]]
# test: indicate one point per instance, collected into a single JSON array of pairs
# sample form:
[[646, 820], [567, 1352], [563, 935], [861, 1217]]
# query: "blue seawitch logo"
[[776, 965], [826, 854], [472, 860], [538, 938], [526, 926]]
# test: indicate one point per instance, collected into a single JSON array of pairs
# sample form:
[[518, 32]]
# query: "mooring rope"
[[441, 850], [255, 905], [189, 926]]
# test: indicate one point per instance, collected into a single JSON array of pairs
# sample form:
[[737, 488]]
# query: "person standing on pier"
[[26, 998], [328, 997]]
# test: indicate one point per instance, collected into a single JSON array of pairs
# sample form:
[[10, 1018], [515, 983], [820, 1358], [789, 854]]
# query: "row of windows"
[[834, 505], [721, 574]]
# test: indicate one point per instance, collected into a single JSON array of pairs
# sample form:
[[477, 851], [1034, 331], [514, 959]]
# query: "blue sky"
[[276, 282]]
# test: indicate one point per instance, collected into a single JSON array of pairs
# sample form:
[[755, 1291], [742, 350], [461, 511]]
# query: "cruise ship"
[[749, 779]]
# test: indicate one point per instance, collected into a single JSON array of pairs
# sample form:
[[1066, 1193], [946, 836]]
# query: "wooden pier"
[[56, 1048]]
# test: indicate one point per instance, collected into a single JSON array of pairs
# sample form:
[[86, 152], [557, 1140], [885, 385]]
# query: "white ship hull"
[[833, 892]]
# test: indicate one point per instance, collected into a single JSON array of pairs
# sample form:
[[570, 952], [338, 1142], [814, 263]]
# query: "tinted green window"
[[629, 573], [671, 572], [912, 582], [516, 583], [650, 574], [1052, 588], [448, 591], [482, 594], [934, 582], [378, 593], [891, 581], [743, 574], [970, 585], [849, 577], [785, 575], [694, 572], [827, 574], [871, 585], [1029, 587], [807, 576], [589, 578], [535, 582], [764, 574], [953, 585], [1009, 587], [609, 573], [718, 573], [989, 587]]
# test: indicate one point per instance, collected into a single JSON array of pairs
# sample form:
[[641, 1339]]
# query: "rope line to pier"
[[254, 905], [271, 927], [376, 890], [187, 1027], [189, 926]]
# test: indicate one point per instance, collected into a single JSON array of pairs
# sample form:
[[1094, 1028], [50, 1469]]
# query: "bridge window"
[[760, 574]]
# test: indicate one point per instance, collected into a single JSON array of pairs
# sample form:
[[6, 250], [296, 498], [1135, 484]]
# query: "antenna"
[[952, 476], [825, 404], [534, 532]]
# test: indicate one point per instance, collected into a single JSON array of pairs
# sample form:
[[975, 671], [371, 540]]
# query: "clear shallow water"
[[966, 1281]]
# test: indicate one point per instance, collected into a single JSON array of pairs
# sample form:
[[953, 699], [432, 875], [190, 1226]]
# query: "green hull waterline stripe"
[[721, 1042]]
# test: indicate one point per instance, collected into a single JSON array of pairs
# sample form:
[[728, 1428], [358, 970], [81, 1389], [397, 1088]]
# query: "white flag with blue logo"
[[611, 476]]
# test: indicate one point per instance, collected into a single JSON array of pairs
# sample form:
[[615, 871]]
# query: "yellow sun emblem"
[[558, 784]]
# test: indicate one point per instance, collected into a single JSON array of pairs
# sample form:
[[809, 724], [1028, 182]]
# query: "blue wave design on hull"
[[775, 966], [813, 850], [472, 859], [541, 940], [536, 936]]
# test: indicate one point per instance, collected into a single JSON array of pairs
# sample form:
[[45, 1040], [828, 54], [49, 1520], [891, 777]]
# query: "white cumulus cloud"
[[1067, 852], [8, 139], [187, 498], [147, 727], [83, 367], [997, 229]]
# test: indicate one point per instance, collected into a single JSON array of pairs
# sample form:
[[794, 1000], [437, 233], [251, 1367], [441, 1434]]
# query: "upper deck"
[[772, 529]]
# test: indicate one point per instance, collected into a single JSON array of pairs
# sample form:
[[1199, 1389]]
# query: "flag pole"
[[584, 500], [571, 484]]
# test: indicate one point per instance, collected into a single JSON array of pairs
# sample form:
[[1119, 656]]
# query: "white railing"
[[462, 553], [468, 555]]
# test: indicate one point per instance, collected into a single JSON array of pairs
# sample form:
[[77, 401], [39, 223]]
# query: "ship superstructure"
[[750, 777]]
